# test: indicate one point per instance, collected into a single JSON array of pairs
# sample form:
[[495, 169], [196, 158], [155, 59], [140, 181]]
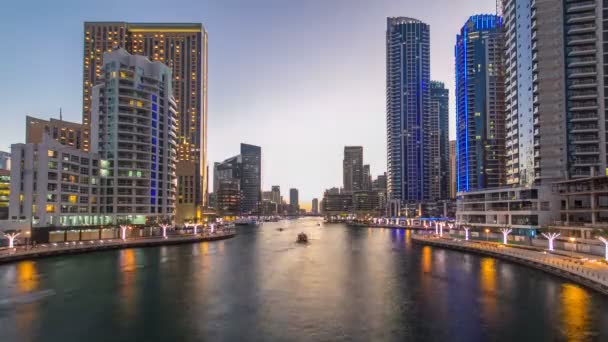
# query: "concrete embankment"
[[42, 252], [593, 275]]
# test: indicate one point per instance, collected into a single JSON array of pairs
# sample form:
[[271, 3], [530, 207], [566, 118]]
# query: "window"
[[50, 208]]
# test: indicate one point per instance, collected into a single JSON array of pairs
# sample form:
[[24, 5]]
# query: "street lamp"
[[487, 231]]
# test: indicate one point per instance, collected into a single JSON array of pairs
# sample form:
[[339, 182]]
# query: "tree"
[[466, 228], [123, 232], [11, 235], [551, 237], [505, 232], [164, 227]]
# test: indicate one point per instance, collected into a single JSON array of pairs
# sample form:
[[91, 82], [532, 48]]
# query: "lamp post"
[[487, 231]]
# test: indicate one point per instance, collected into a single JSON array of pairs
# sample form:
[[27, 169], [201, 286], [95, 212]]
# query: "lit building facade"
[[412, 129], [480, 106], [453, 169], [5, 190], [136, 116], [183, 48], [65, 132], [55, 185]]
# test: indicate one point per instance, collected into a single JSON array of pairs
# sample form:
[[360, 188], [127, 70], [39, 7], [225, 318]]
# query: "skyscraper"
[[440, 101], [251, 178], [412, 130], [353, 168], [367, 178], [315, 206], [294, 201], [133, 119], [480, 109], [452, 168], [276, 194], [183, 48], [519, 142]]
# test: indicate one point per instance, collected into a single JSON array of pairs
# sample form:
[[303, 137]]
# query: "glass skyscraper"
[[440, 99], [412, 129], [480, 106]]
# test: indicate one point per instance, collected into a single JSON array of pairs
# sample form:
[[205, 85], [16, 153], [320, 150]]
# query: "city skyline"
[[356, 92]]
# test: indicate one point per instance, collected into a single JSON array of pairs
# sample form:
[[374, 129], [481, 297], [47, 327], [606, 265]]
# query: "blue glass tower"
[[480, 104]]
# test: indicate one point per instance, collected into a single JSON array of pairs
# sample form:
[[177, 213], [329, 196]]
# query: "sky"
[[300, 78]]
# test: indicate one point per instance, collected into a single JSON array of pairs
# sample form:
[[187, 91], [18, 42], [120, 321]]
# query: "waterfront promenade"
[[77, 247], [588, 272]]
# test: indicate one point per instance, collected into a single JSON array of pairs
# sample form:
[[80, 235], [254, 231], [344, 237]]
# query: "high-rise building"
[[367, 178], [228, 197], [276, 194], [440, 102], [251, 178], [134, 124], [519, 143], [315, 206], [480, 109], [183, 48], [65, 132], [545, 53], [412, 128], [353, 168], [294, 201], [245, 169], [267, 196], [453, 169]]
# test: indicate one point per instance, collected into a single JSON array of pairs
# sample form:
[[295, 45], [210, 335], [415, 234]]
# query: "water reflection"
[[574, 312], [488, 289], [128, 291], [426, 259], [27, 278]]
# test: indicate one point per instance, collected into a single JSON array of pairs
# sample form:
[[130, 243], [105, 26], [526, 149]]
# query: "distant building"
[[244, 168], [212, 201], [315, 206], [228, 197], [452, 168], [379, 186], [294, 202], [267, 195], [65, 132], [440, 103], [366, 203], [276, 194], [337, 202], [5, 160], [353, 168]]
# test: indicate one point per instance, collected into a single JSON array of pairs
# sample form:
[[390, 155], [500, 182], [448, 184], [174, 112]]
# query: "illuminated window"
[[50, 208], [113, 74], [73, 198]]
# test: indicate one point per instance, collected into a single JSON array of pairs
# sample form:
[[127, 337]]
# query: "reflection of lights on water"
[[128, 264], [27, 278], [575, 315], [488, 288], [426, 259]]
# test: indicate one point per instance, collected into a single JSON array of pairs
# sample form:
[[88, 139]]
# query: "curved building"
[[136, 114]]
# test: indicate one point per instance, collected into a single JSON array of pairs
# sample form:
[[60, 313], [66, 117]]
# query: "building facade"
[[480, 104], [5, 160], [453, 169], [251, 178], [412, 130], [352, 168], [135, 115], [65, 132], [276, 194], [228, 197], [440, 100], [294, 201], [183, 48], [315, 206], [55, 185]]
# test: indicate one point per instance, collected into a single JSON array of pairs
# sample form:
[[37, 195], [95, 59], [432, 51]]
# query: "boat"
[[246, 221], [302, 238], [280, 229]]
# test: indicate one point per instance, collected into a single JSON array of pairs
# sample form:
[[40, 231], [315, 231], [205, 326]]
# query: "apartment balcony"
[[584, 151], [577, 29], [581, 117], [585, 139], [580, 18], [580, 7], [583, 107], [584, 129], [582, 51]]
